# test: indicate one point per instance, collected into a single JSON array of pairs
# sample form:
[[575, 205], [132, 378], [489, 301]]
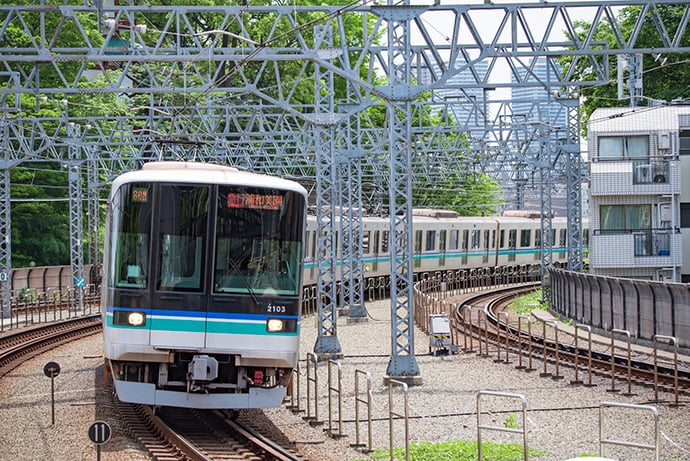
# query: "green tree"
[[661, 74]]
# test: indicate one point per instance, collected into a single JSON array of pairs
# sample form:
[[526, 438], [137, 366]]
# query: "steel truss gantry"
[[207, 87]]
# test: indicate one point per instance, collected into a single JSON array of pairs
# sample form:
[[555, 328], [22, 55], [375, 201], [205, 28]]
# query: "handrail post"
[[312, 363], [613, 362], [368, 403], [339, 391], [405, 415], [589, 353], [657, 440], [481, 426], [544, 373], [521, 318], [674, 342]]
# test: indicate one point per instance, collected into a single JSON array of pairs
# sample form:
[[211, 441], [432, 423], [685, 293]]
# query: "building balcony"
[[635, 177], [635, 248]]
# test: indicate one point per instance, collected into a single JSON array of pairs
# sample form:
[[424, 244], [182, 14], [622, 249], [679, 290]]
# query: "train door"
[[179, 299]]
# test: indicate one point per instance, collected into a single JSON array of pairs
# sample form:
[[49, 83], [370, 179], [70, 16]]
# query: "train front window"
[[258, 241], [131, 225], [183, 226]]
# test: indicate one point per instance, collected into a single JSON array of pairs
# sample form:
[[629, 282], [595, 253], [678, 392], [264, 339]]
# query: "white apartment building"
[[639, 205]]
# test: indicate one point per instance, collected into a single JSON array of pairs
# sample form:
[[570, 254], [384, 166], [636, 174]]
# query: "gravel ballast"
[[562, 419]]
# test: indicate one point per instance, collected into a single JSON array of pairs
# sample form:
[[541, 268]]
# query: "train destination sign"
[[255, 201]]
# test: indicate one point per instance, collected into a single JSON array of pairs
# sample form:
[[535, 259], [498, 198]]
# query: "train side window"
[[313, 245], [465, 239], [454, 237], [430, 240], [512, 238], [537, 238], [384, 242], [366, 235], [493, 238], [563, 234], [475, 238], [525, 237], [377, 242], [418, 241], [442, 240], [502, 239], [486, 239]]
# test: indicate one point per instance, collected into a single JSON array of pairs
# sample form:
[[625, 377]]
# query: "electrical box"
[[439, 334]]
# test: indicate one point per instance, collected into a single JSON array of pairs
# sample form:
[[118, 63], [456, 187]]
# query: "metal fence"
[[644, 308]]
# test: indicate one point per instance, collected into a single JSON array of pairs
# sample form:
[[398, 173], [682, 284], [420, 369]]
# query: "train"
[[444, 241], [201, 293], [204, 269]]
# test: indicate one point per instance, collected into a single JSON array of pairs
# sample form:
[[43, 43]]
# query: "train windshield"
[[258, 241], [131, 227]]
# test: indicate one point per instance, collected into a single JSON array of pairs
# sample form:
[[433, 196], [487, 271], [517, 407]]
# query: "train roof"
[[204, 173]]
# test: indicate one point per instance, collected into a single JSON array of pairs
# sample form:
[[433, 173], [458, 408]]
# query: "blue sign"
[[80, 282]]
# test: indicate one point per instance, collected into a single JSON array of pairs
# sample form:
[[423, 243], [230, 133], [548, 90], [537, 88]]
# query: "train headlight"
[[129, 318], [274, 325], [136, 319], [286, 325]]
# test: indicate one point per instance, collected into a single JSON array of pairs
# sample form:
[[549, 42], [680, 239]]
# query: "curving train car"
[[202, 287], [443, 241]]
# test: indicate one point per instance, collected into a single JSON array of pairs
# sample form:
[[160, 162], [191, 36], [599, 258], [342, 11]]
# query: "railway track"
[[484, 323], [202, 435], [27, 343]]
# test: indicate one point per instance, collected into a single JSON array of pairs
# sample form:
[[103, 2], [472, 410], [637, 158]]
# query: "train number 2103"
[[275, 309]]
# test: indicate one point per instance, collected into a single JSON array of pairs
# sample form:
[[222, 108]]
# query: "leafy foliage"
[[661, 74]]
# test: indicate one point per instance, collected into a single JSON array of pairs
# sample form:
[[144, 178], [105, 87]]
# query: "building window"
[[624, 218], [685, 214], [623, 147], [684, 142]]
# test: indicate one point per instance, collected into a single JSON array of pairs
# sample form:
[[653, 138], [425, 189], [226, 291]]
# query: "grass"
[[457, 450], [524, 305]]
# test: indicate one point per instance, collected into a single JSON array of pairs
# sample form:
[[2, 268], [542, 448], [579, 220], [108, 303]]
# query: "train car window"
[[258, 241], [475, 238], [442, 240], [418, 241], [537, 238], [502, 239], [430, 240], [131, 227], [512, 238], [486, 239], [366, 249], [313, 245], [384, 242], [465, 239], [454, 239], [376, 243], [563, 238], [183, 226], [525, 237], [493, 238]]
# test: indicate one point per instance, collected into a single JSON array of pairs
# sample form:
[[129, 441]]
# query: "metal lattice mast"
[[5, 223], [326, 198], [545, 185], [575, 176], [402, 364], [76, 230], [93, 215]]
